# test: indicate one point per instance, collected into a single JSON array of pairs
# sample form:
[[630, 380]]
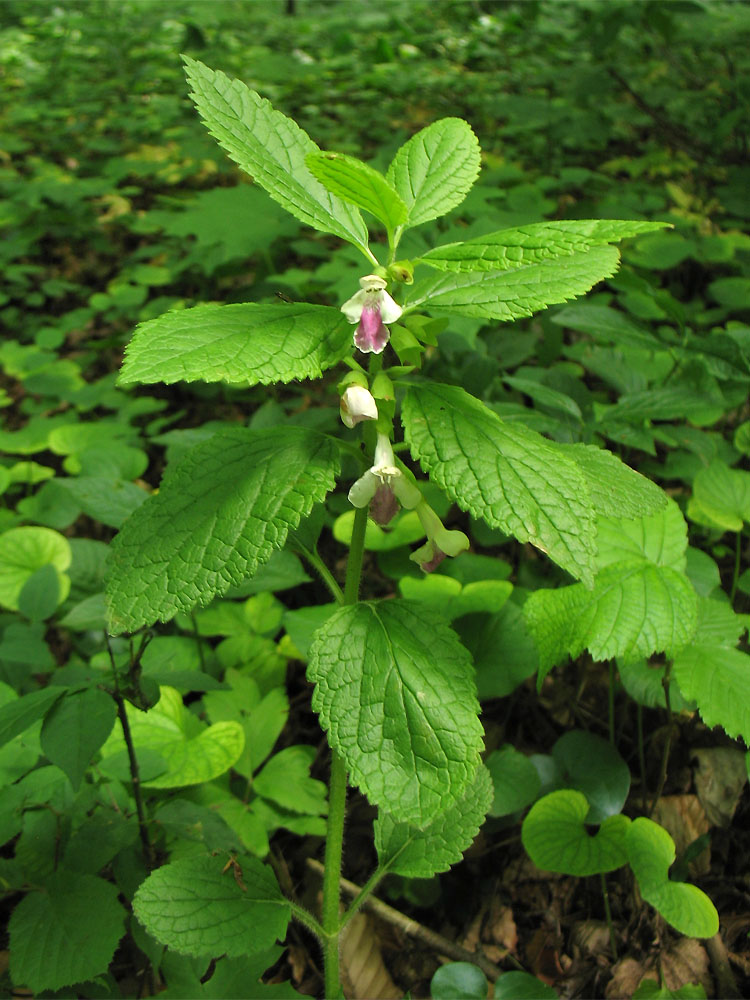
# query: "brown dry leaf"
[[686, 962], [684, 818], [543, 956], [626, 976], [719, 781], [363, 972], [501, 926], [590, 937]]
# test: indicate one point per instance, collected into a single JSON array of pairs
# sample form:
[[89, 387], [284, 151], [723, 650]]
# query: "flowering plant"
[[394, 687]]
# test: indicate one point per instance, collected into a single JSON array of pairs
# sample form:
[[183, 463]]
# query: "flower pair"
[[371, 308]]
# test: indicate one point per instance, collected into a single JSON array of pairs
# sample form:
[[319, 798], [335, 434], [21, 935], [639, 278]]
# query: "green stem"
[[332, 875], [323, 571], [668, 742], [356, 554], [608, 915], [367, 889], [305, 917], [337, 794]]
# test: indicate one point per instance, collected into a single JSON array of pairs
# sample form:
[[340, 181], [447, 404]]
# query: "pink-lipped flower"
[[384, 486], [371, 308]]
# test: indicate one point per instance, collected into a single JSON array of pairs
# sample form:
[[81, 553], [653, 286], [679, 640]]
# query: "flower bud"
[[357, 404]]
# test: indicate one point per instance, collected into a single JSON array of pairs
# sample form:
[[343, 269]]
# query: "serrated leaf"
[[511, 294], [196, 908], [651, 851], [435, 169], [395, 692], [414, 853], [272, 148], [717, 679], [220, 513], [660, 537], [615, 489], [359, 184], [245, 344], [635, 609], [556, 839], [510, 248], [511, 477], [66, 933], [192, 752], [75, 729]]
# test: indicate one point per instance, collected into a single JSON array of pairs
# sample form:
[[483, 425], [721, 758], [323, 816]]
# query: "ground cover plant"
[[391, 462]]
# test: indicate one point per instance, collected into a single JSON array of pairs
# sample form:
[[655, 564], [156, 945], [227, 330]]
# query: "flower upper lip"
[[371, 308]]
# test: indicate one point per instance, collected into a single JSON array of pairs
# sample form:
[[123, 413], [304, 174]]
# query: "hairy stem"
[[337, 793], [323, 572]]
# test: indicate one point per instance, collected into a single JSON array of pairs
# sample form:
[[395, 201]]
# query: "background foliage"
[[117, 205]]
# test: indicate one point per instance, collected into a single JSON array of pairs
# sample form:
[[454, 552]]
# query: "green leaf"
[[23, 551], [66, 933], [245, 344], [556, 840], [511, 294], [510, 248], [459, 981], [75, 729], [522, 986], [503, 472], [448, 597], [515, 780], [360, 185], [395, 692], [590, 764], [220, 513], [661, 538], [110, 501], [649, 989], [721, 497], [196, 908], [635, 609], [272, 148], [406, 850], [615, 489], [286, 780], [504, 653], [192, 752], [606, 325], [40, 595], [19, 714], [435, 169], [717, 679], [651, 851]]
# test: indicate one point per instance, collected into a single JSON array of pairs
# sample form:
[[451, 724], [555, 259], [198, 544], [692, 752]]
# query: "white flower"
[[371, 308], [357, 404], [384, 472]]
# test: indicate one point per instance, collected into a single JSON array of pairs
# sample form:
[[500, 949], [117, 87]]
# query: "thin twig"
[[135, 776], [433, 940]]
